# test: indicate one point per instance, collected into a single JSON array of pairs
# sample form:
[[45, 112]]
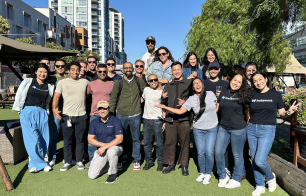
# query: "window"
[[72, 35], [26, 20], [57, 25], [64, 30], [61, 28], [9, 10], [57, 37], [80, 36], [38, 26], [52, 24], [301, 59], [45, 28]]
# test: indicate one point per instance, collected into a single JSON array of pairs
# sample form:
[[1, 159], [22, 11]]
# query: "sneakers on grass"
[[136, 166], [258, 191], [223, 182], [33, 170], [80, 165], [111, 179], [232, 184], [66, 167], [52, 163], [206, 180], [201, 177], [47, 168], [272, 184]]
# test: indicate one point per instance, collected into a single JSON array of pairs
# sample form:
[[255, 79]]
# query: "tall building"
[[116, 31], [89, 14]]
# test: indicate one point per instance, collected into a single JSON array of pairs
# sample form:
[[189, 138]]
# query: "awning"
[[294, 67]]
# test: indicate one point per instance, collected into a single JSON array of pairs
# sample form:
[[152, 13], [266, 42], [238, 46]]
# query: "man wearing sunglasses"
[[100, 90], [139, 68], [111, 67], [149, 56], [91, 74]]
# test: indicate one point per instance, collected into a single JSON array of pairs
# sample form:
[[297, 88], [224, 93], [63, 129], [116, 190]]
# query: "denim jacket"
[[22, 92], [157, 69], [187, 73]]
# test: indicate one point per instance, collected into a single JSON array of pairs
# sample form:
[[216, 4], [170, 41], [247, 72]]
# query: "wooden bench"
[[6, 99], [299, 155]]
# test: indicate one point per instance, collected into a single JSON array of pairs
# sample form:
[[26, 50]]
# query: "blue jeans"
[[205, 142], [134, 123], [153, 127], [260, 138], [237, 139], [54, 127], [91, 148]]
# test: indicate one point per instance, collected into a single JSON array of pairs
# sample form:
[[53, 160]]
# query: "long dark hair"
[[245, 93], [261, 73], [156, 58], [186, 63], [205, 60], [202, 102], [43, 65]]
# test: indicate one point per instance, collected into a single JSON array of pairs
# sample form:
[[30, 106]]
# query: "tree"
[[4, 25], [27, 40], [70, 59], [54, 46], [224, 25]]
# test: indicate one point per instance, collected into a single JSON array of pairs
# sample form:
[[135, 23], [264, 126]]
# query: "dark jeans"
[[78, 129], [153, 127], [91, 148]]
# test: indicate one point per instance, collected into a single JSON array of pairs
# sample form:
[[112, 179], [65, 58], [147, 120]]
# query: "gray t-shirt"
[[152, 97], [209, 118]]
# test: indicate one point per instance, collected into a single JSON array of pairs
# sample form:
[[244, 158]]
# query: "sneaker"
[[87, 165], [46, 158], [232, 184], [47, 168], [206, 180], [33, 170], [52, 163], [148, 166], [223, 182], [66, 167], [185, 171], [80, 165], [72, 163], [258, 191], [228, 172], [169, 169], [119, 166], [111, 179], [201, 177], [136, 166], [160, 167], [272, 184]]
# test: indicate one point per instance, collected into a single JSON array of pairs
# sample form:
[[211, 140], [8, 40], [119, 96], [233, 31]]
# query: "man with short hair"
[[100, 90], [73, 117], [91, 74], [126, 101], [239, 69], [111, 67], [106, 134], [46, 61], [83, 64], [139, 69], [149, 56]]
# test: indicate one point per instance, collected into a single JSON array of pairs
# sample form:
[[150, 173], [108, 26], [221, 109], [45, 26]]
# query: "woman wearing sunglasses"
[[161, 65], [191, 67]]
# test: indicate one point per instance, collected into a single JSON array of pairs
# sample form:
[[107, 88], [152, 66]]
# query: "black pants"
[[77, 129]]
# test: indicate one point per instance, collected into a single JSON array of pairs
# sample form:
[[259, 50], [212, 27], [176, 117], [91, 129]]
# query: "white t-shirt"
[[152, 97], [148, 59]]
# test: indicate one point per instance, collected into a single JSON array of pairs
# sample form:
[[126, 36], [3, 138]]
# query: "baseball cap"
[[103, 104], [240, 65], [150, 38], [214, 64]]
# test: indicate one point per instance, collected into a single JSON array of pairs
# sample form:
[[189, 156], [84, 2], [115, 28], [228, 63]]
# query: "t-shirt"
[[37, 94], [211, 86], [114, 78], [209, 118], [177, 95], [223, 71], [74, 94], [105, 132], [152, 97], [264, 107], [148, 59], [54, 80], [100, 91], [232, 116], [91, 76]]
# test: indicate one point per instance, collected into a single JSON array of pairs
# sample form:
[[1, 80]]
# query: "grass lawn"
[[151, 182]]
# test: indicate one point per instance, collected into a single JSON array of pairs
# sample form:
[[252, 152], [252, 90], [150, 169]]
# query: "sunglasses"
[[60, 66], [91, 61], [102, 71], [161, 54], [150, 42], [137, 66], [153, 80], [101, 108], [110, 64]]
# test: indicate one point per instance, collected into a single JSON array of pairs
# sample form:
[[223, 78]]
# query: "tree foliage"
[[27, 40], [4, 25], [54, 46], [225, 26]]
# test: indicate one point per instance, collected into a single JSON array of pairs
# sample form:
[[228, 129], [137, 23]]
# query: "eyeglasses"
[[60, 66], [101, 108], [128, 68], [160, 54], [137, 66], [91, 61], [110, 64], [150, 42], [153, 80], [102, 71]]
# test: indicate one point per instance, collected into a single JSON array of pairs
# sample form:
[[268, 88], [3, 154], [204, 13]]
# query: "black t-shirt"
[[91, 76], [211, 86], [177, 95], [232, 116], [37, 94], [264, 107], [223, 71]]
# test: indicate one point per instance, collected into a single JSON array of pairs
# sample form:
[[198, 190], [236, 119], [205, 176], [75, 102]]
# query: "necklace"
[[233, 94]]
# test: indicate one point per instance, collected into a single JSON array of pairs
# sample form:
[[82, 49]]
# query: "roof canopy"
[[294, 68], [15, 51]]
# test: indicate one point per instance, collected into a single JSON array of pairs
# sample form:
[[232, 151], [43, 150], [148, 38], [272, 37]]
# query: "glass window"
[[52, 22], [57, 37], [81, 2], [9, 12], [57, 25], [81, 10], [26, 20]]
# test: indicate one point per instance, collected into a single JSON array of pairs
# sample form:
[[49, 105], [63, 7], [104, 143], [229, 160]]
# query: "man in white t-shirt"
[[149, 56]]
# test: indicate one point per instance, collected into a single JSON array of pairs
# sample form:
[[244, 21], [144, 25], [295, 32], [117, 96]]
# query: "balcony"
[[95, 20], [95, 13], [96, 46], [95, 1], [95, 6], [95, 33], [54, 4], [95, 26], [95, 40]]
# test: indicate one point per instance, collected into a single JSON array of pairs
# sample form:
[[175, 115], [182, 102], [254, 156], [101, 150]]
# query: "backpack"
[[120, 81]]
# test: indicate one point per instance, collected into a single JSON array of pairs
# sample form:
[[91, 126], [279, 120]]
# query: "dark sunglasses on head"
[[159, 54], [91, 61], [102, 71], [58, 66], [153, 80], [137, 66], [150, 42], [110, 64]]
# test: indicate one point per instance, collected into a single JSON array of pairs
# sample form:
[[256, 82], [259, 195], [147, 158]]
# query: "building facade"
[[81, 39]]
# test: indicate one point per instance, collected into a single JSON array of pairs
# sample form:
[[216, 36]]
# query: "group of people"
[[170, 98]]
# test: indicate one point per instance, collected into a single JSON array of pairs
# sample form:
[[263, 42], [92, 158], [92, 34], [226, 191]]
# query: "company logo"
[[262, 100], [229, 98]]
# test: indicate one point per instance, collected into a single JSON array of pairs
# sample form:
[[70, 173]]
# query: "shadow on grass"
[[4, 122], [19, 177]]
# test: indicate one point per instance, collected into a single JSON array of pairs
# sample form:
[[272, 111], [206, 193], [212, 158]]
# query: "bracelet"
[[288, 113]]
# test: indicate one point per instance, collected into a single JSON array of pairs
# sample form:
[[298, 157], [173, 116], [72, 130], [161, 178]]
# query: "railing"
[[95, 5], [95, 13], [54, 4]]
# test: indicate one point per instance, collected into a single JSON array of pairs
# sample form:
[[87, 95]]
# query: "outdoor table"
[[4, 101]]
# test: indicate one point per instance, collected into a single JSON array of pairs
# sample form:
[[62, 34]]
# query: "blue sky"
[[167, 20]]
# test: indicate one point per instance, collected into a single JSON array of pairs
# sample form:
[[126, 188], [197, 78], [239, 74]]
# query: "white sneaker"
[[232, 184], [33, 170], [272, 184], [258, 191], [206, 180], [136, 166], [52, 163], [201, 177], [223, 182], [80, 165], [228, 172], [46, 158], [65, 167], [47, 168]]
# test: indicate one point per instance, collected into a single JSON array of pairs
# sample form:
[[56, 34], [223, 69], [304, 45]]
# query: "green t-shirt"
[[54, 80]]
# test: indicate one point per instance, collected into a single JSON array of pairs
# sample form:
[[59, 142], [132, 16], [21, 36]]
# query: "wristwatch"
[[288, 113]]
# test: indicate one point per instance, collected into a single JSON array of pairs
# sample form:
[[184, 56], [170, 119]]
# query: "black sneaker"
[[111, 179], [169, 169], [185, 171], [148, 166], [160, 167]]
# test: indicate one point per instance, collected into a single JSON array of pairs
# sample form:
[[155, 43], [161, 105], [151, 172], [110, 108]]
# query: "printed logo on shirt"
[[109, 126], [229, 98], [262, 100]]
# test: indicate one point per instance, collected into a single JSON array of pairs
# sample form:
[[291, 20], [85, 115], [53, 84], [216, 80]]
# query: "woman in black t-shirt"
[[232, 105], [261, 129], [211, 56]]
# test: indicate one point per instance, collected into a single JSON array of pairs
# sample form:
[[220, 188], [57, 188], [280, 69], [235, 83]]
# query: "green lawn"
[[74, 182]]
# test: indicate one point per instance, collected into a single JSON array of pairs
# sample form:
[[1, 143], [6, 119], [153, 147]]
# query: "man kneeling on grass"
[[106, 133]]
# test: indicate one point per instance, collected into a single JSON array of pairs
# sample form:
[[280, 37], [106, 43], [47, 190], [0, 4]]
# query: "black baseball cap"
[[150, 38]]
